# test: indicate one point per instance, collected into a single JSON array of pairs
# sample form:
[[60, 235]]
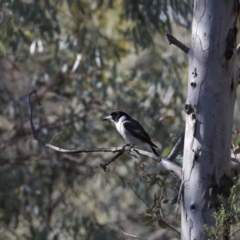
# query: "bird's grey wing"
[[136, 129]]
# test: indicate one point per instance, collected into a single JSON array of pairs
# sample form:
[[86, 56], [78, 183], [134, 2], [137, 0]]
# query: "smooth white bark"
[[213, 80]]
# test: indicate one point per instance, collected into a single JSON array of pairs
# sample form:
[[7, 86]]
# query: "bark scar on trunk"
[[231, 43]]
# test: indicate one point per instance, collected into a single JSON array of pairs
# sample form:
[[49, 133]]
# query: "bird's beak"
[[107, 118]]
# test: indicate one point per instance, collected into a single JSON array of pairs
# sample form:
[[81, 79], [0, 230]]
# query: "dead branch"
[[174, 41], [119, 150], [177, 148]]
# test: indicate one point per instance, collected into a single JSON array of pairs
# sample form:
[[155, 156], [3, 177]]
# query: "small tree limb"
[[177, 148], [174, 41], [104, 166], [132, 236], [119, 150]]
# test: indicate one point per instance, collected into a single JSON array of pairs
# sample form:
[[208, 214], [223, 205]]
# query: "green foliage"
[[227, 217], [164, 188]]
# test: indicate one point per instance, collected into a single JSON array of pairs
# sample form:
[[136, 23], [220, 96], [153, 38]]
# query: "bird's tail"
[[154, 151]]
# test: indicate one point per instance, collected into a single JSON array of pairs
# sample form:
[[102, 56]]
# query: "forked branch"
[[119, 150]]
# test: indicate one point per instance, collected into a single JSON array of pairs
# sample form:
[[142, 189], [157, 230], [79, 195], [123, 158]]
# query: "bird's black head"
[[115, 116]]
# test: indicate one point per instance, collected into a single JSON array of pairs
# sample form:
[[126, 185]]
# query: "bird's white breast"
[[129, 138]]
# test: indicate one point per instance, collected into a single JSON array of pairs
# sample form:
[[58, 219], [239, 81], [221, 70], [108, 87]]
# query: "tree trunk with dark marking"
[[213, 80]]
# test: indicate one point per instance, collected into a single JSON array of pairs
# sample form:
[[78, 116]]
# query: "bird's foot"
[[128, 147]]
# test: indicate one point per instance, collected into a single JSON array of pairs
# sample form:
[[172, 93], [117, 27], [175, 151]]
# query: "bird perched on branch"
[[131, 130]]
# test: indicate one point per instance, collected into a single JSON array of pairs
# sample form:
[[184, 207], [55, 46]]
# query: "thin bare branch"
[[174, 41], [55, 137], [164, 162], [120, 150], [104, 166], [177, 148], [132, 236], [34, 91], [129, 184]]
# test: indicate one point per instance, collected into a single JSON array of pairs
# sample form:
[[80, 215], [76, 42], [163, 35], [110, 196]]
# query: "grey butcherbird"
[[131, 130]]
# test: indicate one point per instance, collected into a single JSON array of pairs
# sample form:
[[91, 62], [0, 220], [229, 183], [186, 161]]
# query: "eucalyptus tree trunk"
[[213, 80]]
